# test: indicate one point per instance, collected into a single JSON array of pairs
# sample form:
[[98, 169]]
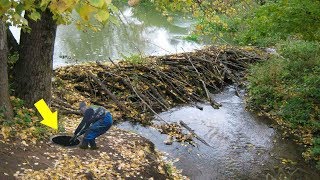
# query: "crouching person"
[[96, 121]]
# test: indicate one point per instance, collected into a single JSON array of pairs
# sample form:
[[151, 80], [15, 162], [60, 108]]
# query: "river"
[[142, 30]]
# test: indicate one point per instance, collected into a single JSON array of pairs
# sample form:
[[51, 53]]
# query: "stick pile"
[[138, 91]]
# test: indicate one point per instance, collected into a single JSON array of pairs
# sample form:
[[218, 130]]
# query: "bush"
[[288, 86], [282, 20]]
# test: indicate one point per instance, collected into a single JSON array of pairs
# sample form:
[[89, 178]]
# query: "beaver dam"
[[136, 89]]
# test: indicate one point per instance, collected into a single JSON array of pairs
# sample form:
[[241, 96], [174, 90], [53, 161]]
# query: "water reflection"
[[142, 30]]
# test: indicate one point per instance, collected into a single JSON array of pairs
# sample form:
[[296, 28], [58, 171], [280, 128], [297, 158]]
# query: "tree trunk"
[[33, 70], [4, 82]]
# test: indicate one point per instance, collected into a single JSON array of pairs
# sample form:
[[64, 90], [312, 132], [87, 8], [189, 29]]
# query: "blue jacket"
[[91, 115]]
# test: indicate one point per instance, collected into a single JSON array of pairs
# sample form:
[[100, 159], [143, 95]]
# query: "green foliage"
[[40, 132], [134, 59], [288, 86], [281, 19], [316, 149], [25, 123], [192, 37], [169, 169], [252, 22], [12, 59]]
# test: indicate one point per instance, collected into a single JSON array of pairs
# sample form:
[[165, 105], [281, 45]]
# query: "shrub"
[[280, 20], [288, 86]]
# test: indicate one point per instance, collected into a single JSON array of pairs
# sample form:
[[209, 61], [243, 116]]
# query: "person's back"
[[96, 121]]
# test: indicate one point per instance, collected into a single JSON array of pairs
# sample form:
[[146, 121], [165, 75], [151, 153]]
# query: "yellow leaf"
[[102, 15], [35, 15], [44, 3], [85, 10], [5, 131], [24, 143], [23, 135], [61, 6]]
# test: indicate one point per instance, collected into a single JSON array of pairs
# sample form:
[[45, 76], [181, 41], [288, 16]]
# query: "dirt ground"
[[121, 155]]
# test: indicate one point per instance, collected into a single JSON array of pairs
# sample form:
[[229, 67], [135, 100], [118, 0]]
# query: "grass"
[[134, 59]]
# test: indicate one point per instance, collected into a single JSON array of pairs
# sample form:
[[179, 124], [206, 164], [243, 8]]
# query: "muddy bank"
[[244, 146], [121, 154]]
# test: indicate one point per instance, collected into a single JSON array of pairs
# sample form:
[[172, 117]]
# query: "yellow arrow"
[[49, 119]]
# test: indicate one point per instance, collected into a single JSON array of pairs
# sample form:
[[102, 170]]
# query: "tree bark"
[[33, 70], [4, 82]]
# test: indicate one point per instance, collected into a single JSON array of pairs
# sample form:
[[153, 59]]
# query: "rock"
[[169, 141]]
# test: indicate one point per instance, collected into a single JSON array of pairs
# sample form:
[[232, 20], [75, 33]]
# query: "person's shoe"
[[83, 146], [94, 147]]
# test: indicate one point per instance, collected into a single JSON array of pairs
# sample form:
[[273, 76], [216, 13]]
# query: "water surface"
[[243, 146], [142, 30]]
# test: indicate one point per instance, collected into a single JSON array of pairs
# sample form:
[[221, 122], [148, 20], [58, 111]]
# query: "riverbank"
[[121, 154], [286, 88], [146, 86], [243, 145]]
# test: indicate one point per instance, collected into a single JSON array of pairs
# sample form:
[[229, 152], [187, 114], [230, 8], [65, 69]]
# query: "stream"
[[243, 146]]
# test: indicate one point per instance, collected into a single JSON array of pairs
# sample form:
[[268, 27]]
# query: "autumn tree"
[[33, 70]]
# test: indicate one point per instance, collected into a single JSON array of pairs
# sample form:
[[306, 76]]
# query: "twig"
[[193, 133], [112, 96], [61, 102], [214, 104], [148, 105], [117, 65], [65, 110]]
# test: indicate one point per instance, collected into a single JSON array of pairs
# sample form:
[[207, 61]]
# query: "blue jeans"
[[96, 129]]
